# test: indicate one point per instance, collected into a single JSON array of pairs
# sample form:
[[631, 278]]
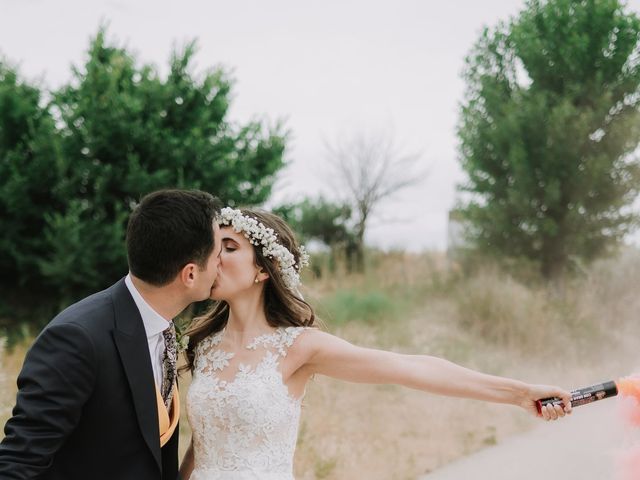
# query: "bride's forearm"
[[337, 358], [440, 376], [186, 467]]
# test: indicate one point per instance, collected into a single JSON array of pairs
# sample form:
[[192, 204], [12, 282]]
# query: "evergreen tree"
[[72, 169], [548, 132], [31, 170]]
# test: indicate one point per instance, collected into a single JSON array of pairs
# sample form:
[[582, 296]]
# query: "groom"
[[97, 397]]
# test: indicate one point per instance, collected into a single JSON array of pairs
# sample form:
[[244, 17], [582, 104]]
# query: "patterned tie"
[[169, 361]]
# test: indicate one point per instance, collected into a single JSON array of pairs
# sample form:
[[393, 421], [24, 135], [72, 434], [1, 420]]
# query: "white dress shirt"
[[154, 325]]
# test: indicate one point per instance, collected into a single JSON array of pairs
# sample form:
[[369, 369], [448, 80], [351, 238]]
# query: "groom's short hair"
[[168, 230]]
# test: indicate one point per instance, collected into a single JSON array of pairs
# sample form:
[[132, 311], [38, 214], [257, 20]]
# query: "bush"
[[503, 311], [350, 305], [72, 169]]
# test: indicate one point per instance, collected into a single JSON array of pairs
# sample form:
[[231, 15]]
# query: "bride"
[[253, 353]]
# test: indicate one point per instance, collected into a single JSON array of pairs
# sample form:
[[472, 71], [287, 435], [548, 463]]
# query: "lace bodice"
[[244, 420]]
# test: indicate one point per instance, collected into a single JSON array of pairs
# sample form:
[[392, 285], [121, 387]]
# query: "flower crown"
[[259, 234]]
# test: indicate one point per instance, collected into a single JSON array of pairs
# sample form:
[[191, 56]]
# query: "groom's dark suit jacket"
[[86, 406]]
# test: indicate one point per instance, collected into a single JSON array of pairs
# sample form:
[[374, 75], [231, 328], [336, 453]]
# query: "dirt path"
[[580, 447]]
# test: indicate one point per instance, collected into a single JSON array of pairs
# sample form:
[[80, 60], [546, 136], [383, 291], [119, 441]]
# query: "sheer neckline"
[[275, 346], [273, 339]]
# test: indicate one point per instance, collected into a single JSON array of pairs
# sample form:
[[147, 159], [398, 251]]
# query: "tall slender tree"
[[369, 169]]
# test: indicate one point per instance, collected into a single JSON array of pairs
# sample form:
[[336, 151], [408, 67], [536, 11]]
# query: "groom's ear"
[[188, 274]]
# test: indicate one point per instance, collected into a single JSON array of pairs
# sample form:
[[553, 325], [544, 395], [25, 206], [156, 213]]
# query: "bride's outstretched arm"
[[334, 357], [186, 467]]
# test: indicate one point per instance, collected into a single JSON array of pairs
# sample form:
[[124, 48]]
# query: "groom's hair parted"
[[169, 229], [283, 306]]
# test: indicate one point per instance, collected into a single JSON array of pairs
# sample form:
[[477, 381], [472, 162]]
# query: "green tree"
[[115, 132], [548, 132], [127, 132], [31, 168], [325, 222]]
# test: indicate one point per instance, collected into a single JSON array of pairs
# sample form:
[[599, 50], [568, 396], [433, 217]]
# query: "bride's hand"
[[549, 412]]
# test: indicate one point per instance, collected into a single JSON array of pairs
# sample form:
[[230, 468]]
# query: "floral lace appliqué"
[[245, 427], [280, 340]]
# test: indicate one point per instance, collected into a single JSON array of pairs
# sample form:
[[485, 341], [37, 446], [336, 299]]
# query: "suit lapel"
[[131, 341]]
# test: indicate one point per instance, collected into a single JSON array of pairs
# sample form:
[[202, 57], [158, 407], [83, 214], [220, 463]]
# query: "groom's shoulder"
[[92, 312]]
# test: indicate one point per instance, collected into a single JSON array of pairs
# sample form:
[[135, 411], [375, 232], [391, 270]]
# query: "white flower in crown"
[[259, 234]]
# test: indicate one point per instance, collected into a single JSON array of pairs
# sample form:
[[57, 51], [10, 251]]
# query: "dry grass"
[[387, 432], [355, 431], [488, 321], [10, 364]]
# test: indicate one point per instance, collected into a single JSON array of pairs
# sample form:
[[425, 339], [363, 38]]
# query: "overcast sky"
[[329, 69]]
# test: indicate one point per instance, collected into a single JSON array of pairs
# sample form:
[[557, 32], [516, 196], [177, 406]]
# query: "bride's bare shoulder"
[[311, 341]]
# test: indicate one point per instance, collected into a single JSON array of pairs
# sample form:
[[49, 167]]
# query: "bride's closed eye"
[[229, 245]]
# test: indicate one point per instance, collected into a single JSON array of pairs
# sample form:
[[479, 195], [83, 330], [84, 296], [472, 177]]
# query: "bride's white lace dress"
[[244, 421]]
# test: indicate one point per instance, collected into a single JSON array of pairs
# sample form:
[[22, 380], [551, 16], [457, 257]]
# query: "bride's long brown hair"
[[283, 308]]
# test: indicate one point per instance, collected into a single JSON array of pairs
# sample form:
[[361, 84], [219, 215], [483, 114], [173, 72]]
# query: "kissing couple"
[[98, 393]]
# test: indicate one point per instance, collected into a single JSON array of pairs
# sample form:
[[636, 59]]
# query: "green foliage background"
[[73, 163], [548, 131]]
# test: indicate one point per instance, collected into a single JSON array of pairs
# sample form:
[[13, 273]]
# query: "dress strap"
[[280, 340]]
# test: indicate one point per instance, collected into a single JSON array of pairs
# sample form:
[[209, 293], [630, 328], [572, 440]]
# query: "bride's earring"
[[256, 280]]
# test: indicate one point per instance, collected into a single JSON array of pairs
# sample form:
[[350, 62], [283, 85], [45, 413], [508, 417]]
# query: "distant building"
[[455, 234]]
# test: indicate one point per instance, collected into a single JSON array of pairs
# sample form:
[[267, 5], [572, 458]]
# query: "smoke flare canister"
[[582, 396]]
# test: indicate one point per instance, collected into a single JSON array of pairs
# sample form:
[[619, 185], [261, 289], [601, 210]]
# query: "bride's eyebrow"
[[229, 239]]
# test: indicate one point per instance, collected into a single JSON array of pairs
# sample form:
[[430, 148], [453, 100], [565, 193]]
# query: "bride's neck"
[[246, 318]]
